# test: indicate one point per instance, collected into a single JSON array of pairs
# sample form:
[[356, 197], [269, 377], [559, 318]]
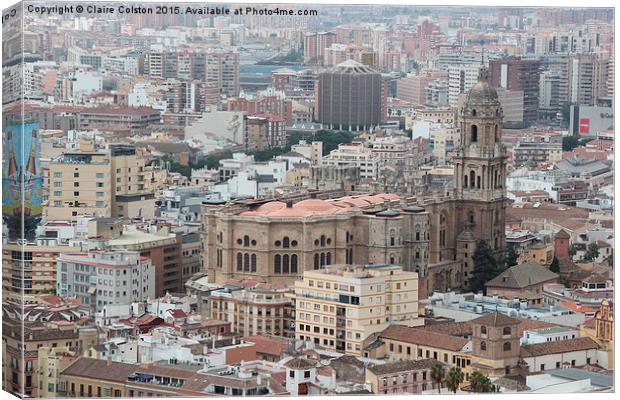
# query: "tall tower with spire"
[[480, 173]]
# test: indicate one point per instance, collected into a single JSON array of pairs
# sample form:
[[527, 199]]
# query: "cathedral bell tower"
[[480, 168]]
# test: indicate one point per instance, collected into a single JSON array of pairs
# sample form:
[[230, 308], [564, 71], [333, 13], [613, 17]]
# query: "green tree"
[[480, 383], [565, 281], [592, 252], [569, 143], [486, 266], [511, 256], [438, 372], [555, 265], [572, 250], [454, 379]]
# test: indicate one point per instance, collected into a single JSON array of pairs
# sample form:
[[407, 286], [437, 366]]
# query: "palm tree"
[[437, 374], [480, 383], [455, 378]]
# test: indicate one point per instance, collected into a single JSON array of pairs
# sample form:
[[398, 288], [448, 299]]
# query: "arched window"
[[322, 240], [478, 182], [347, 236], [350, 256], [483, 330], [392, 239], [316, 261], [246, 262], [322, 259], [465, 181], [239, 262], [496, 133], [474, 133], [246, 240], [471, 217], [507, 331], [483, 346], [473, 112], [507, 346], [285, 264], [328, 258], [286, 242], [294, 264], [277, 264], [472, 178], [391, 259], [253, 262]]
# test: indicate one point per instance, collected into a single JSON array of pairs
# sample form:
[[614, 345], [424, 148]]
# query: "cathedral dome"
[[482, 92]]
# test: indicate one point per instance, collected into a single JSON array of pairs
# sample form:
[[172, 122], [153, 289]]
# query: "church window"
[[246, 262], [483, 346], [277, 264], [322, 240], [328, 258], [285, 242], [322, 259], [507, 331], [471, 217], [294, 264], [285, 264], [246, 240], [478, 182], [474, 133], [239, 262], [253, 262], [316, 261], [507, 346], [473, 112], [496, 133], [465, 181], [483, 330], [472, 178]]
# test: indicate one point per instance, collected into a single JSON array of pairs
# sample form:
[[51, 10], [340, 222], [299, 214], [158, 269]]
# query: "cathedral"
[[475, 209], [275, 241]]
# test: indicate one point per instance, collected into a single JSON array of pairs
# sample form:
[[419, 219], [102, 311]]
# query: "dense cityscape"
[[345, 200]]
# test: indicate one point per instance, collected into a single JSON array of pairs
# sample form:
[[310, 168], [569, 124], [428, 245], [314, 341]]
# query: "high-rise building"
[[99, 182], [351, 96], [315, 44], [519, 75], [588, 76], [101, 278], [340, 306], [413, 88], [461, 78]]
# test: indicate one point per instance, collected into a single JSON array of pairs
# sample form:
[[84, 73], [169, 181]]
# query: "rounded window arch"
[[277, 264], [239, 262], [294, 264], [507, 331], [507, 346], [316, 261], [322, 240], [246, 262], [253, 263], [246, 240], [496, 133], [322, 259], [471, 217], [483, 346], [483, 330], [473, 112], [285, 264], [474, 133], [328, 258], [472, 179], [286, 242]]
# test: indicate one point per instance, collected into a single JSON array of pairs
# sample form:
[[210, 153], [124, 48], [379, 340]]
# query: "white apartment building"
[[354, 154], [339, 306], [100, 278], [461, 78]]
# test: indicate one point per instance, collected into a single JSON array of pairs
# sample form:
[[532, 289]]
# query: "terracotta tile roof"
[[300, 363], [421, 336], [463, 328], [556, 347], [496, 319], [99, 370], [522, 276], [274, 346], [402, 366], [562, 234]]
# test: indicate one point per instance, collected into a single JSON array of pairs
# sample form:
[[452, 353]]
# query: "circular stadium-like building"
[[350, 97]]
